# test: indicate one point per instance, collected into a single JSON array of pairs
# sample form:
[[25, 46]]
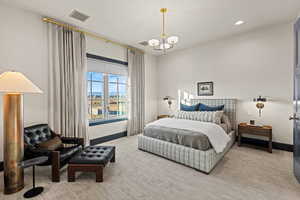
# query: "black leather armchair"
[[36, 134]]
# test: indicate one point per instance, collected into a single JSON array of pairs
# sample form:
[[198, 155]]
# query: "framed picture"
[[205, 88]]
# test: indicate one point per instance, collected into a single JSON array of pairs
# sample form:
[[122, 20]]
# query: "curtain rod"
[[49, 20]]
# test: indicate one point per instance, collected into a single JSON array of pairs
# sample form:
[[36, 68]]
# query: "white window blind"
[[94, 65]]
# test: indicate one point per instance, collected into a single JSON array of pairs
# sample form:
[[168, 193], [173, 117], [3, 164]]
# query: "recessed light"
[[240, 22]]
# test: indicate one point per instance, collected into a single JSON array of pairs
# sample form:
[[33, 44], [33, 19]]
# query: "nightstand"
[[265, 131], [162, 116]]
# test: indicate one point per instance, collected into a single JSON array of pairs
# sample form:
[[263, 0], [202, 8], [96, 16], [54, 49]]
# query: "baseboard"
[[1, 166], [108, 138], [263, 143]]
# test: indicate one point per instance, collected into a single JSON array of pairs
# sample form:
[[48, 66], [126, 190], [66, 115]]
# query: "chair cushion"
[[94, 155], [51, 144], [37, 134]]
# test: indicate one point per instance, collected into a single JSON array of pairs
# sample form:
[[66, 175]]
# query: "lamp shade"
[[16, 82]]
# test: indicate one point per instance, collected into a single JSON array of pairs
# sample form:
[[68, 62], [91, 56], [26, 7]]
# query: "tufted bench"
[[91, 159]]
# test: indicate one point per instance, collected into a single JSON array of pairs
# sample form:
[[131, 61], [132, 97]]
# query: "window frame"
[[106, 119]]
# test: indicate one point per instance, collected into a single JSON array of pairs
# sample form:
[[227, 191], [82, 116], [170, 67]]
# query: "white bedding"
[[215, 133]]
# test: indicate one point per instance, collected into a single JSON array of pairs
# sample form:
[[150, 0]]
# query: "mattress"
[[186, 138]]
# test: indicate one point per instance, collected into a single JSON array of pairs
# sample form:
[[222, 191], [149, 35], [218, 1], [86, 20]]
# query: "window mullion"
[[118, 97], [106, 96]]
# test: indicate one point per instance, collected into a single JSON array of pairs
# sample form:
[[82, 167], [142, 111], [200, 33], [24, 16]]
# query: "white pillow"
[[225, 119], [203, 116]]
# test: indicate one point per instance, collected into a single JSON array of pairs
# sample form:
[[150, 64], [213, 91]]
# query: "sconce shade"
[[260, 99], [16, 82], [168, 98]]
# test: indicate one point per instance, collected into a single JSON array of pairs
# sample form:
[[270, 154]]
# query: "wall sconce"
[[169, 99], [260, 103]]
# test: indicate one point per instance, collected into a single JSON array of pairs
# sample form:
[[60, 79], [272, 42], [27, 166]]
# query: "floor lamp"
[[14, 85]]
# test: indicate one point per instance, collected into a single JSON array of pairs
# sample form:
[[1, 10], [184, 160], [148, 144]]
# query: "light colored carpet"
[[244, 174]]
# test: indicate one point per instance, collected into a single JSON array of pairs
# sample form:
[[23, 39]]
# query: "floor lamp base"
[[13, 143], [33, 192], [13, 190]]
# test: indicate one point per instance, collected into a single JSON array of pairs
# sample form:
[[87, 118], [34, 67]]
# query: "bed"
[[201, 156]]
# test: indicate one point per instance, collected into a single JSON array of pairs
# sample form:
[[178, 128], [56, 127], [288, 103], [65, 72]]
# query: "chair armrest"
[[72, 140]]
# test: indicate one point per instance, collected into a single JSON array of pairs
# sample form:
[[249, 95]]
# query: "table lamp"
[[14, 85], [260, 103]]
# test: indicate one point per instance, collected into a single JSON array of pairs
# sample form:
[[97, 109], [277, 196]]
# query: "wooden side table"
[[265, 131], [162, 116]]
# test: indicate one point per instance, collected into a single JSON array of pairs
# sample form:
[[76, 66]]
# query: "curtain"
[[136, 109], [67, 82]]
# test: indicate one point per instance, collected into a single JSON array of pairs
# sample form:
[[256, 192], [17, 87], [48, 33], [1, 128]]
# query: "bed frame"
[[204, 161]]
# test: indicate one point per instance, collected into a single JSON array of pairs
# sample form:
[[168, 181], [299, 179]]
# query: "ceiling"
[[194, 21]]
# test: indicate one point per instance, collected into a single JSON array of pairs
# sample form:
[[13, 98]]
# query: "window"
[[96, 95], [117, 90], [107, 91]]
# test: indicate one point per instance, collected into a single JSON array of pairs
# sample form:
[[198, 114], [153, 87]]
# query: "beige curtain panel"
[[67, 82], [136, 110]]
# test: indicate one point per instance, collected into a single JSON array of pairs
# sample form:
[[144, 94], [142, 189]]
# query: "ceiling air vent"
[[79, 16], [144, 43]]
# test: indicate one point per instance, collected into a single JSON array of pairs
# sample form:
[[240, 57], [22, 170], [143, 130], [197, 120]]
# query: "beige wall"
[[23, 48], [243, 67]]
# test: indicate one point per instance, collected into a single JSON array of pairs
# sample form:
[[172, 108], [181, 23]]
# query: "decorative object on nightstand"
[[260, 103], [169, 99], [14, 85], [265, 131], [162, 116]]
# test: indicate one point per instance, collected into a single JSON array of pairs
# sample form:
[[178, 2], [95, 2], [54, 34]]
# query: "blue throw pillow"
[[203, 107], [189, 108]]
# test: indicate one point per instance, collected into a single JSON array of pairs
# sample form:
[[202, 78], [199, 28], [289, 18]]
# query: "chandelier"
[[165, 42]]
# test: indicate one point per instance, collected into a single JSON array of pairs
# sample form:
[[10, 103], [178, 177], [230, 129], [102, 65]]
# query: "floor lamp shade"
[[14, 85], [16, 82]]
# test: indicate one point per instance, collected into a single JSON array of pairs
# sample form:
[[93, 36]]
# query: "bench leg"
[[71, 174], [113, 159], [99, 174]]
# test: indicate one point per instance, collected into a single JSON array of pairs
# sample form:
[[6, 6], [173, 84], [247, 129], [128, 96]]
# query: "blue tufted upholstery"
[[94, 155]]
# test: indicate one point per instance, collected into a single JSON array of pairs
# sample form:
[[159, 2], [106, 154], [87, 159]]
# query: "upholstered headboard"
[[229, 108]]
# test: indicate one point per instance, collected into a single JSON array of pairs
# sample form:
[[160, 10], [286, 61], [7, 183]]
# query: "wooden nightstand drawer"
[[265, 131], [255, 130], [162, 116]]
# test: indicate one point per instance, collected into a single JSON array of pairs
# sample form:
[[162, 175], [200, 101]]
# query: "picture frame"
[[205, 88]]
